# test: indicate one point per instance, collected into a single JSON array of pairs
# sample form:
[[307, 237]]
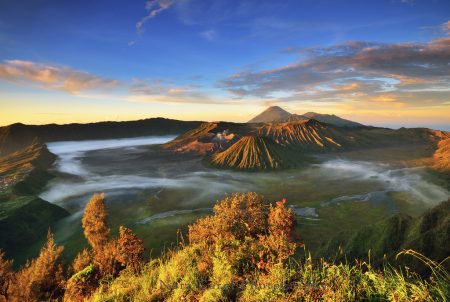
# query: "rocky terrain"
[[277, 145]]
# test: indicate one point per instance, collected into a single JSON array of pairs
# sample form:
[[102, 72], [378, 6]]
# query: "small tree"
[[105, 251], [42, 278], [94, 223], [131, 248], [6, 275]]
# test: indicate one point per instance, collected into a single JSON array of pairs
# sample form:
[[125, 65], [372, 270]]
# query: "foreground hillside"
[[23, 216], [18, 136], [427, 234], [244, 252]]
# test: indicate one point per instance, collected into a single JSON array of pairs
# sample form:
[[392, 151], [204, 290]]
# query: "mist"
[[131, 168], [409, 180]]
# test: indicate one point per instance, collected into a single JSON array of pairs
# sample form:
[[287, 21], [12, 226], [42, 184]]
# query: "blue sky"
[[92, 60]]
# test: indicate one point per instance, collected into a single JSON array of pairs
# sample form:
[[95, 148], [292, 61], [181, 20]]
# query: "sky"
[[383, 63]]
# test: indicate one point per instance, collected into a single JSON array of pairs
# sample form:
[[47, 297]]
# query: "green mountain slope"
[[428, 234], [24, 217]]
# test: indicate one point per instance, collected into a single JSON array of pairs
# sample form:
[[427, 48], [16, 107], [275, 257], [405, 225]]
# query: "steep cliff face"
[[255, 153]]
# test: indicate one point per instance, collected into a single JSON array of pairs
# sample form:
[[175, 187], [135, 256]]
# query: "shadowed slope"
[[427, 234], [331, 119], [254, 153]]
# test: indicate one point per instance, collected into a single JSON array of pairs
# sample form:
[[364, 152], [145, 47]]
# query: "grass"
[[225, 260], [176, 277]]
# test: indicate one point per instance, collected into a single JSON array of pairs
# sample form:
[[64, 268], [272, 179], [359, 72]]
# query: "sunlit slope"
[[313, 136], [24, 217], [442, 156], [24, 170], [255, 153], [209, 137]]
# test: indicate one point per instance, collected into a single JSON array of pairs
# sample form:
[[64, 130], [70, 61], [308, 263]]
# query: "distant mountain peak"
[[276, 114], [270, 114], [276, 108]]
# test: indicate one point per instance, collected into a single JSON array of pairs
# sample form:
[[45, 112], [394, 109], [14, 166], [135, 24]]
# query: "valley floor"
[[156, 193]]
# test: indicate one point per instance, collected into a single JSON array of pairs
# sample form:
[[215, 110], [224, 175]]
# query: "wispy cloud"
[[209, 35], [446, 27], [160, 91], [154, 7], [53, 76], [350, 71]]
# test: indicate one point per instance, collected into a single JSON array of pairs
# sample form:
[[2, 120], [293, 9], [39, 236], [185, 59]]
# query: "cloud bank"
[[53, 77], [352, 70]]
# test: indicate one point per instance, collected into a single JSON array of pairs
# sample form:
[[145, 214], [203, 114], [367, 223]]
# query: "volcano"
[[255, 153]]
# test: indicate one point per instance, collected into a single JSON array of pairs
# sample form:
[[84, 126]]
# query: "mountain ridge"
[[17, 136], [276, 114]]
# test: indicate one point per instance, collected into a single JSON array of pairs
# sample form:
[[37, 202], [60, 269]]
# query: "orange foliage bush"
[[41, 279], [83, 259], [6, 276], [248, 231]]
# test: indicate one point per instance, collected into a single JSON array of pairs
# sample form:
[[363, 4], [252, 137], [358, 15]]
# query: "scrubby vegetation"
[[246, 251]]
